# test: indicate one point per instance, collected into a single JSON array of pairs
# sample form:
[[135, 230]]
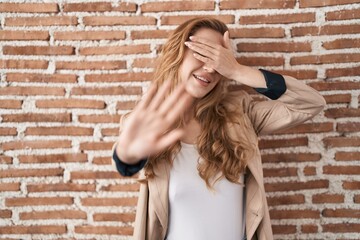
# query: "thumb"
[[227, 40]]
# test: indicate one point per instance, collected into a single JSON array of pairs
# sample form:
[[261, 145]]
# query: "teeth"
[[202, 79]]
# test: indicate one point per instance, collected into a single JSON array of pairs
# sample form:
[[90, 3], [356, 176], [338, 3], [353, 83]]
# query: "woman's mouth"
[[202, 80]]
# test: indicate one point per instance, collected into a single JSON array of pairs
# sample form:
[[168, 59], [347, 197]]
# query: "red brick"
[[21, 173], [122, 188], [274, 47], [43, 78], [309, 171], [342, 112], [177, 20], [38, 50], [106, 91], [283, 229], [53, 158], [278, 18], [261, 61], [342, 213], [5, 214], [281, 143], [128, 105], [87, 7], [71, 103], [268, 32], [291, 157], [357, 199], [36, 144], [343, 14], [104, 230], [98, 146], [23, 35], [114, 217], [61, 187], [341, 170], [29, 7], [330, 142], [324, 30], [173, 6], [8, 131], [342, 43], [59, 131], [33, 229], [256, 4], [323, 3], [294, 214], [144, 63], [93, 65], [7, 187], [95, 175], [37, 117], [351, 185], [339, 72], [348, 127], [280, 172], [150, 34], [343, 227], [328, 198], [286, 200], [110, 132], [323, 59], [125, 201], [295, 186], [118, 20], [103, 118], [41, 21], [60, 214], [125, 7], [336, 85], [10, 104], [5, 159], [110, 50], [102, 161], [38, 201], [347, 156], [24, 64], [338, 98], [119, 77], [89, 35], [32, 91], [309, 228]]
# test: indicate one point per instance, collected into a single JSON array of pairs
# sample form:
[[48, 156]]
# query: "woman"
[[198, 143]]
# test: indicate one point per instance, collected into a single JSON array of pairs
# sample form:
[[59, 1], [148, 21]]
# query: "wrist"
[[121, 153]]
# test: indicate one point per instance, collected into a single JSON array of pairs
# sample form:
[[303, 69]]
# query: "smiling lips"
[[202, 79]]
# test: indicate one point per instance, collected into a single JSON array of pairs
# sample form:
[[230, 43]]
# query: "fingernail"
[[191, 37], [188, 44]]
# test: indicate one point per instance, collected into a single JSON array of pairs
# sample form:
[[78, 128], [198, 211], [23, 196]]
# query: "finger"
[[227, 42], [159, 96], [169, 138], [203, 41], [145, 101], [203, 59], [172, 99], [179, 108], [201, 49]]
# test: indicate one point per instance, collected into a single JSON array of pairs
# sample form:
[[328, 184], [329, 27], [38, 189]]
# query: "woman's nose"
[[209, 70]]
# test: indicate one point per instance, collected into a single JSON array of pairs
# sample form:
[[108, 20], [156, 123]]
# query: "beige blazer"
[[298, 104]]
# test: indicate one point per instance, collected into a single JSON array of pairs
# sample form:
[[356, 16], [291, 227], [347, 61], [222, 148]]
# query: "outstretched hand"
[[148, 129], [215, 56]]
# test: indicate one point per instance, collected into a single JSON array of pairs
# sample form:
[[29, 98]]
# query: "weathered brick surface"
[[70, 69]]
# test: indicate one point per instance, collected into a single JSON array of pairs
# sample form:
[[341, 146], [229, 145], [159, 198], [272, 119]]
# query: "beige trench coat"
[[298, 104]]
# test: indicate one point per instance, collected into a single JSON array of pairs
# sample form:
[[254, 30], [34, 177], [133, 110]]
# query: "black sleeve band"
[[125, 169], [275, 85]]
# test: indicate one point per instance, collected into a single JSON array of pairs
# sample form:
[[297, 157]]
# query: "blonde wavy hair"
[[221, 156]]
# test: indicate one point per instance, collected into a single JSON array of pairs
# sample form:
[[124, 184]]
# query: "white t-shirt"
[[196, 213]]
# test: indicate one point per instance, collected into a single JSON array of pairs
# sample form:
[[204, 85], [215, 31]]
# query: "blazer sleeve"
[[297, 104]]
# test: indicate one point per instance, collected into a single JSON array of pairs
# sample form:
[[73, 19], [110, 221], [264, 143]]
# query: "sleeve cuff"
[[275, 85], [125, 169]]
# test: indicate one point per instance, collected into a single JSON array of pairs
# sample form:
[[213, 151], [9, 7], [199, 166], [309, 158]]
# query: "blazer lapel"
[[158, 188]]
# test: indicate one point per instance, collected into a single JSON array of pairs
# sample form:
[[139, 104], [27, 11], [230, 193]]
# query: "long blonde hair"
[[220, 154]]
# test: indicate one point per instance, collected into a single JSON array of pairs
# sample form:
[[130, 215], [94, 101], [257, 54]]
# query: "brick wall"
[[70, 69]]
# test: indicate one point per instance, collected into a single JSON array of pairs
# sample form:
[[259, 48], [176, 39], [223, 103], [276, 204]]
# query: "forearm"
[[249, 76]]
